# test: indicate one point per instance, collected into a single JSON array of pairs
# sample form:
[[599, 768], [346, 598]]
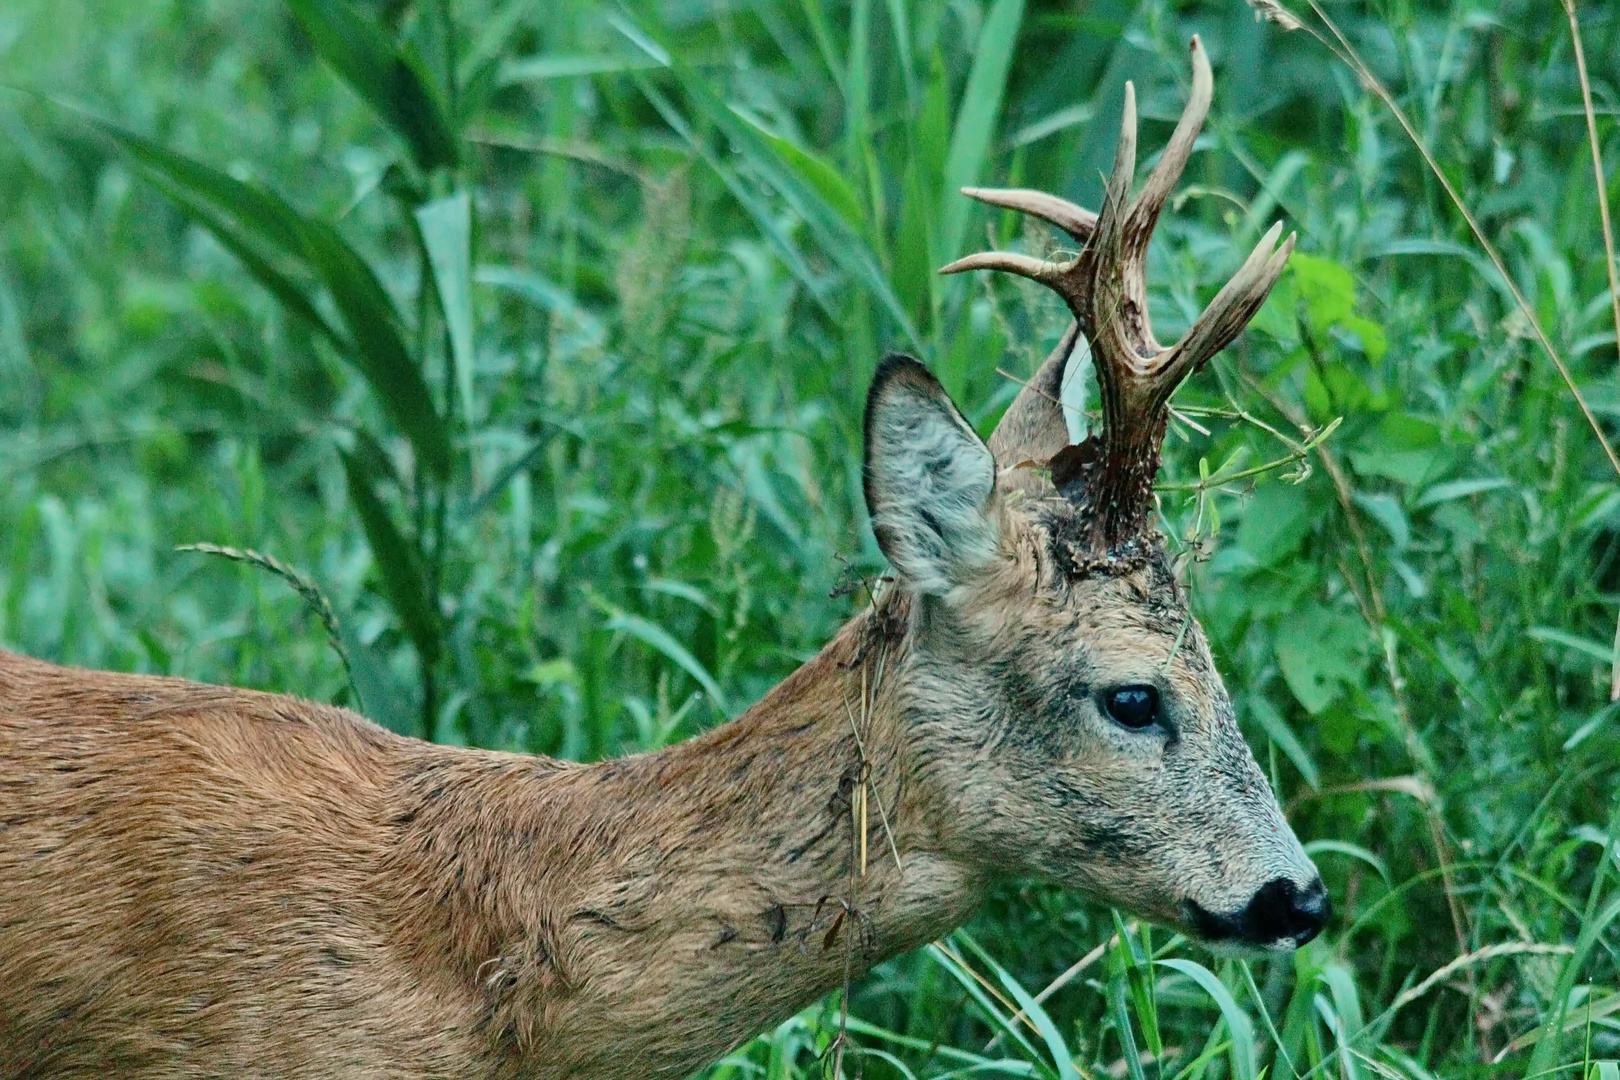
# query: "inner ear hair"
[[929, 479]]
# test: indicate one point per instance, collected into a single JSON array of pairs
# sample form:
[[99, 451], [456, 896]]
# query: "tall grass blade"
[[398, 563], [446, 227], [379, 350], [389, 77], [1245, 1059], [976, 118]]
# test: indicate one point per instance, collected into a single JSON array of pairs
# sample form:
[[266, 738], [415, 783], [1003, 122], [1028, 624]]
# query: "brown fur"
[[198, 881]]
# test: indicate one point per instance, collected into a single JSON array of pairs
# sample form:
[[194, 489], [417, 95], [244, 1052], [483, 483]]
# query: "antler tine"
[[1232, 308], [1162, 181], [1077, 221]]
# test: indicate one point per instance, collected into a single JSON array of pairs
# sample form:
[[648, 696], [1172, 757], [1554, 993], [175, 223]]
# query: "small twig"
[[303, 585]]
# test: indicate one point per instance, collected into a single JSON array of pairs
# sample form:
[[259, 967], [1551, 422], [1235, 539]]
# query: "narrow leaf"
[[387, 77], [446, 226], [404, 582], [379, 351], [976, 117], [1244, 1063], [651, 634]]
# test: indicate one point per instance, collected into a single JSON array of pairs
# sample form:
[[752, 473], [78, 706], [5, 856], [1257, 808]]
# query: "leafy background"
[[535, 335]]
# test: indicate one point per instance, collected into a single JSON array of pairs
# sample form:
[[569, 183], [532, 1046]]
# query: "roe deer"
[[199, 881]]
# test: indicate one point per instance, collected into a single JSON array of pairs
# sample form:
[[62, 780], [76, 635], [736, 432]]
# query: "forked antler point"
[[1106, 288]]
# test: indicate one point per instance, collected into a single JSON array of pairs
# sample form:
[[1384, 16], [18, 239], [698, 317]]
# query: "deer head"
[[1061, 695]]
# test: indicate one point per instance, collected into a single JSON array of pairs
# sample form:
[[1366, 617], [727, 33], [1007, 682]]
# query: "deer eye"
[[1133, 706]]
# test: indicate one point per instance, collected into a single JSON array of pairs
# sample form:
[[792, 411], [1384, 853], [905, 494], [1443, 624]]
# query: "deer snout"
[[1281, 914]]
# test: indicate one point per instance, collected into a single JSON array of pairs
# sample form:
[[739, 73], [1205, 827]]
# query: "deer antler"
[[1105, 287]]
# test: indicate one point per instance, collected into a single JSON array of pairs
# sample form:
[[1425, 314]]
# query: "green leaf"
[[542, 68], [1461, 489], [379, 351], [249, 221], [1327, 289], [976, 117], [650, 633], [1355, 851], [1032, 1010], [1275, 520], [404, 582], [1320, 651], [827, 181], [1266, 715], [1595, 649], [389, 78], [834, 234], [1244, 1059], [288, 293], [446, 227]]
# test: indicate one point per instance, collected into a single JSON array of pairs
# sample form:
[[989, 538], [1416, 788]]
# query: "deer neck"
[[692, 897]]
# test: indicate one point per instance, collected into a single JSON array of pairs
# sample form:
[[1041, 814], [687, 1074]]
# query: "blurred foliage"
[[536, 334]]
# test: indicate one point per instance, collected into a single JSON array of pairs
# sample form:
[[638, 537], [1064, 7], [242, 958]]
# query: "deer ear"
[[929, 479]]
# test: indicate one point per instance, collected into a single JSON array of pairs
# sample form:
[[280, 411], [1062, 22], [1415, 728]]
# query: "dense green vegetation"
[[548, 372]]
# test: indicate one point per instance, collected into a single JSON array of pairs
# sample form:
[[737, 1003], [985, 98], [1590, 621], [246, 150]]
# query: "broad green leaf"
[[1319, 651], [1245, 1064], [1327, 289], [976, 118], [388, 77], [404, 582], [446, 226], [379, 350], [1275, 520]]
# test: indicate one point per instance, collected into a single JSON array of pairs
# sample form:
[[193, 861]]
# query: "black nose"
[[1282, 909]]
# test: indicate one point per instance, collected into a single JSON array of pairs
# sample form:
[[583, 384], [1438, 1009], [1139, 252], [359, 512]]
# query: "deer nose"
[[1281, 909]]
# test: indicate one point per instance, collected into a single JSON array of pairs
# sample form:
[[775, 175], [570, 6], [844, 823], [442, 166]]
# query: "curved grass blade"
[[976, 118], [1245, 1062], [379, 351], [404, 582], [1031, 1009], [388, 77], [446, 227]]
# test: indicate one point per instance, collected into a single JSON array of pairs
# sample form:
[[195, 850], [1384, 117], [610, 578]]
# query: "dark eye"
[[1133, 706]]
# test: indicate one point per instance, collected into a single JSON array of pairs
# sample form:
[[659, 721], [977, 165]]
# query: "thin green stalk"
[[1608, 247]]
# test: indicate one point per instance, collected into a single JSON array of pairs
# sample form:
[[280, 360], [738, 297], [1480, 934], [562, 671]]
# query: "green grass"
[[547, 370]]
